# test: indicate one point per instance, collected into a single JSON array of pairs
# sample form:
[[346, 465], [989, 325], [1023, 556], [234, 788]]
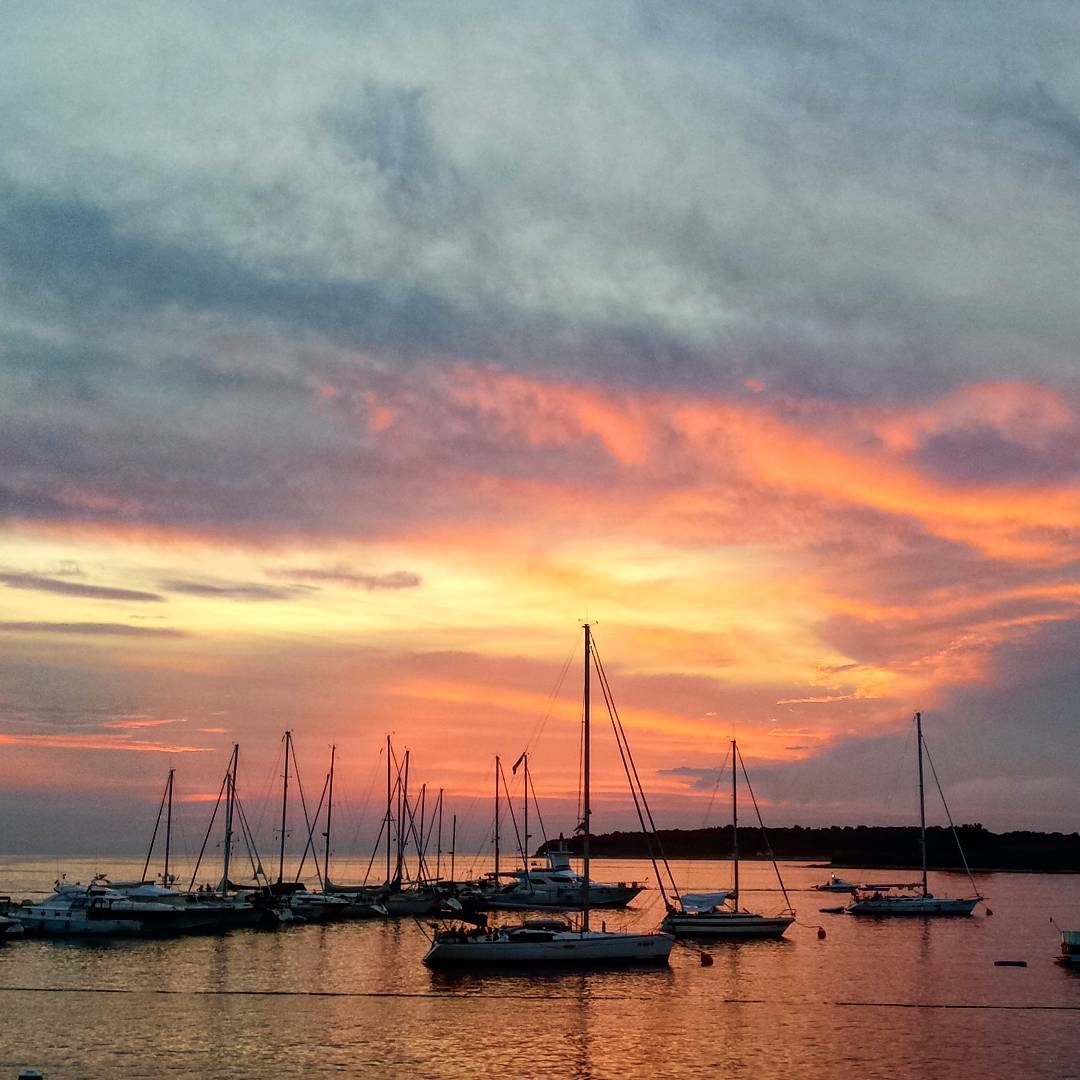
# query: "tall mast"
[[438, 841], [525, 834], [453, 846], [168, 829], [922, 802], [329, 811], [284, 809], [585, 808], [496, 819], [403, 810], [389, 798], [230, 799], [735, 820]]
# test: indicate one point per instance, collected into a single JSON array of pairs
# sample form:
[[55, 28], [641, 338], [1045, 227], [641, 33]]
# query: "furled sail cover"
[[695, 903]]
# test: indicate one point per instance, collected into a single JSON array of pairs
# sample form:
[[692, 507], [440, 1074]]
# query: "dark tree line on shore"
[[857, 845]]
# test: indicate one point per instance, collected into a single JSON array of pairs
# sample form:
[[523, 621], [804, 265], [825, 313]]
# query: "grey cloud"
[[737, 190], [254, 591], [39, 583], [91, 629], [396, 579]]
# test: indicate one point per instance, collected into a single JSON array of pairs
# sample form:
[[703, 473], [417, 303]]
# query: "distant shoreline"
[[867, 847]]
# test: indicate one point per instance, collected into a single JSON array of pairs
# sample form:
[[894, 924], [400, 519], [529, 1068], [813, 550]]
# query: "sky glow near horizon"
[[350, 357]]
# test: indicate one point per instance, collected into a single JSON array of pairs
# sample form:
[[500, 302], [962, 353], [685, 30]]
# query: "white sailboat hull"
[[571, 947], [726, 924], [888, 906]]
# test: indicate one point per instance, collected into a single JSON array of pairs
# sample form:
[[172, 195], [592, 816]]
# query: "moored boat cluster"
[[461, 935]]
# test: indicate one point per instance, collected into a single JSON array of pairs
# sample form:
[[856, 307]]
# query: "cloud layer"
[[420, 333]]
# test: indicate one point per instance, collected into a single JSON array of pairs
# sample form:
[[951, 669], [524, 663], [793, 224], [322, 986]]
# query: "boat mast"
[[438, 842], [389, 797], [168, 829], [403, 810], [453, 846], [525, 834], [230, 799], [735, 822], [496, 819], [329, 810], [284, 809], [585, 809], [922, 803]]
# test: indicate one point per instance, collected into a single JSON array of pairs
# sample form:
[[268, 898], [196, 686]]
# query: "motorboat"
[[837, 885], [97, 909], [553, 885]]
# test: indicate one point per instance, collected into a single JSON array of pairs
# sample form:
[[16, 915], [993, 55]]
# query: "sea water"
[[874, 998]]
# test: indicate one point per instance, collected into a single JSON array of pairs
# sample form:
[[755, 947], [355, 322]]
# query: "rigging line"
[[358, 821], [421, 864], [153, 839], [764, 831], [633, 791], [536, 807], [553, 696], [264, 802], [249, 841], [621, 732], [513, 816], [959, 846], [384, 825], [636, 787], [310, 845], [307, 821], [716, 788], [209, 829]]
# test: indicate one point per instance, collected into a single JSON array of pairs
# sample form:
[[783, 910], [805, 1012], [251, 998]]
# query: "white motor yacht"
[[553, 885], [97, 909]]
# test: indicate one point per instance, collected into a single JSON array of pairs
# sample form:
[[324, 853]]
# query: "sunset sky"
[[351, 355]]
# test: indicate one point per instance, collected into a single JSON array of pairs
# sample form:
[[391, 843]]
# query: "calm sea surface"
[[874, 999]]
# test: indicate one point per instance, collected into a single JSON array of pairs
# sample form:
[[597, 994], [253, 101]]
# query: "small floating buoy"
[[821, 933], [706, 959], [988, 911], [1010, 963]]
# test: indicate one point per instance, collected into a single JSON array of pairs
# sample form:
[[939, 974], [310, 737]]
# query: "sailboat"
[[249, 907], [310, 906], [551, 942], [361, 902], [922, 902], [709, 914]]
